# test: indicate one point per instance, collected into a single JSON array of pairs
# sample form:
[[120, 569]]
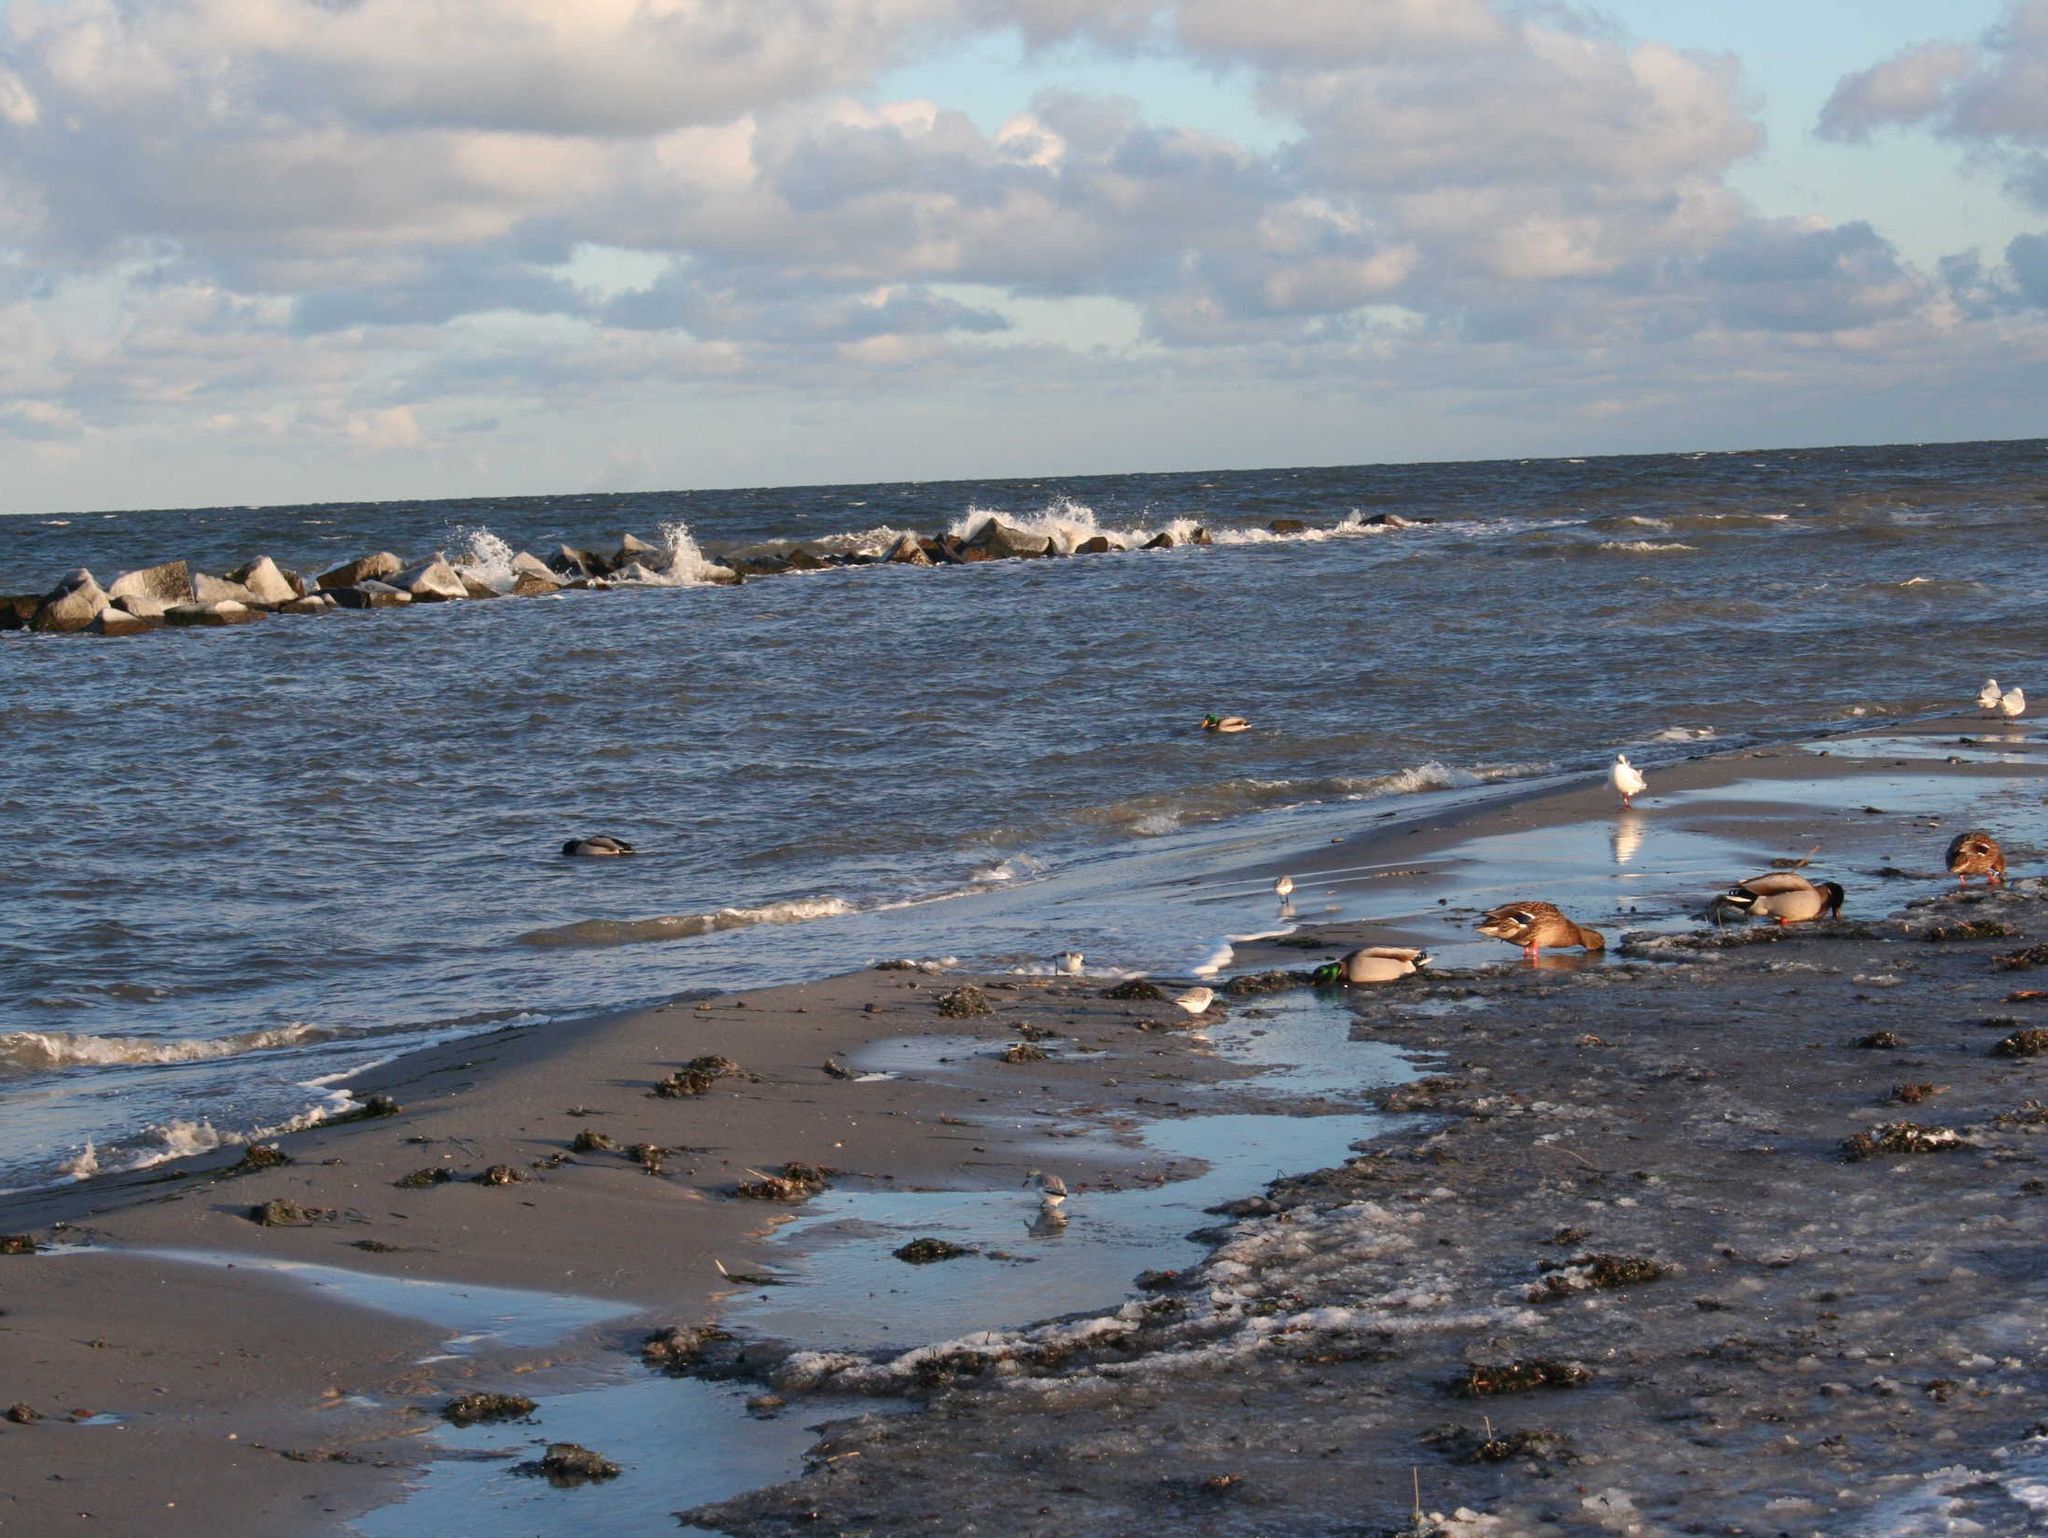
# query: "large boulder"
[[225, 612], [371, 595], [907, 551], [117, 621], [631, 549], [1099, 544], [368, 568], [719, 573], [572, 563], [166, 584], [800, 559], [1288, 526], [17, 610], [527, 584], [312, 603], [71, 605], [432, 581], [476, 587], [1160, 541], [1002, 542], [207, 589], [524, 564], [265, 580], [142, 605]]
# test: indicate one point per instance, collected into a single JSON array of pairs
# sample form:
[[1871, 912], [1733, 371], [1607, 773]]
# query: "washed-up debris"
[[375, 1108], [2026, 995], [1252, 984], [925, 1252], [566, 1465], [965, 1003], [796, 1183], [2022, 960], [260, 1156], [592, 1142], [676, 1349], [834, 1069], [648, 1156], [419, 1180], [477, 1409], [2027, 1043], [1901, 1137], [2031, 1113], [279, 1212], [376, 1246], [1911, 1094], [1483, 1380], [696, 1077], [1879, 1041], [1589, 1273], [1023, 1052], [24, 1414], [1158, 1281], [1971, 929], [501, 1175], [17, 1244], [1135, 991]]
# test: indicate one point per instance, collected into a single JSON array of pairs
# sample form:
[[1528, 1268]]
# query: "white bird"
[[2013, 703], [1987, 697], [1196, 1000], [1284, 888], [1627, 778], [1070, 962]]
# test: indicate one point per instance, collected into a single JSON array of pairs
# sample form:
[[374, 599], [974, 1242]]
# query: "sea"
[[245, 863]]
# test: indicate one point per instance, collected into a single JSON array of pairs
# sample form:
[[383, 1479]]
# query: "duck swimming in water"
[[1374, 964], [1225, 724], [601, 846], [1783, 895], [1976, 853], [1534, 925]]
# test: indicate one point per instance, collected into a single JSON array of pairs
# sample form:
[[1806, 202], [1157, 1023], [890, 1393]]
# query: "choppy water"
[[245, 860]]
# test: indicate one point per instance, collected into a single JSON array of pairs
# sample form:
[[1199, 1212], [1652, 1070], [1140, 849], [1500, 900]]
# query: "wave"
[[1645, 546], [1070, 524], [684, 926], [59, 1049], [1150, 816], [676, 560]]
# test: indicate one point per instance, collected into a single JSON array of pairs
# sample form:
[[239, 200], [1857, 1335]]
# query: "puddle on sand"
[[679, 1442], [1302, 1042], [473, 1316]]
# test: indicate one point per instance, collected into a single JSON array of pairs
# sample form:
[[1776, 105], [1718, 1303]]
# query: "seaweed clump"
[[376, 1108], [566, 1465], [796, 1183], [1971, 929], [592, 1142], [676, 1349], [2031, 1042], [925, 1252], [1911, 1094], [1023, 1052], [17, 1244], [965, 1003], [1482, 1380], [282, 1213], [1879, 1041], [476, 1409], [260, 1156], [1135, 991], [501, 1175], [1901, 1137], [419, 1180], [24, 1414], [1591, 1273], [2023, 959], [1253, 984], [696, 1077]]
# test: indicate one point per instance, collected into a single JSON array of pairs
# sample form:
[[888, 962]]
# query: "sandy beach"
[[1794, 1337]]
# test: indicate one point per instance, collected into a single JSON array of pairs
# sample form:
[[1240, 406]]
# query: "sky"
[[264, 251]]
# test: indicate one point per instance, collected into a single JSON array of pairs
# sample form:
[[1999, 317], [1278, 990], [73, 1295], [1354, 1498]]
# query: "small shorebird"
[[1196, 1000], [1070, 962], [1284, 889], [1374, 964], [1976, 853], [1225, 724], [1783, 895], [1052, 1200], [1987, 697], [600, 846], [2013, 703], [1627, 778], [1535, 925]]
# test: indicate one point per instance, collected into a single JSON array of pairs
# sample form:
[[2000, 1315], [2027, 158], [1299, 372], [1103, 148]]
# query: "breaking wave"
[[1151, 816], [1645, 546], [684, 926], [59, 1049]]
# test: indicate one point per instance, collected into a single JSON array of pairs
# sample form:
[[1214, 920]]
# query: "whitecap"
[[683, 926]]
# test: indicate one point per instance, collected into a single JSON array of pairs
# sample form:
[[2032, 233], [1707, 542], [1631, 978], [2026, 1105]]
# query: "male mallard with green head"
[[1782, 895], [1225, 724], [1374, 964]]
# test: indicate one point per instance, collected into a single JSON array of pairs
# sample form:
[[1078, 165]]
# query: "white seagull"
[[1070, 962], [1627, 778], [1987, 697], [2013, 703], [1196, 1000]]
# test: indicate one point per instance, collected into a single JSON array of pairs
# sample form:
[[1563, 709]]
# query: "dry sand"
[[1701, 1130]]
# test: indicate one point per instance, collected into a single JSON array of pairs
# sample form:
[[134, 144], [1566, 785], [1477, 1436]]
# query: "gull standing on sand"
[[1627, 778], [1196, 1001], [2013, 703], [1987, 697]]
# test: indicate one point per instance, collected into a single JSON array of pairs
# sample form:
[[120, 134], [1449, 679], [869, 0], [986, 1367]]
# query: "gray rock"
[[633, 549], [800, 559], [524, 564], [141, 605], [634, 571], [1159, 541], [572, 563], [71, 605], [1288, 526], [18, 609], [1100, 544], [529, 584], [432, 581], [224, 612], [312, 603], [370, 595], [265, 581], [1002, 542], [116, 621], [477, 588], [167, 584], [907, 551], [207, 589], [368, 568]]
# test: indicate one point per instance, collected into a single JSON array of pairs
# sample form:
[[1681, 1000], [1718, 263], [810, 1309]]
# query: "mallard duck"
[[2013, 703], [1783, 895], [1374, 964], [1535, 925], [1627, 778], [594, 848], [1976, 853], [1987, 697], [1225, 724], [1196, 1000]]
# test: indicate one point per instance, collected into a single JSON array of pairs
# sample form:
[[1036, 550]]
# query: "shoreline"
[[507, 1098]]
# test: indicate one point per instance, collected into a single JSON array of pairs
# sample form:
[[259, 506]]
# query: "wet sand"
[[1702, 1130]]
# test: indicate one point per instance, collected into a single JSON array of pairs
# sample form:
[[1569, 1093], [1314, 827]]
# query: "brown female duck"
[[1535, 925]]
